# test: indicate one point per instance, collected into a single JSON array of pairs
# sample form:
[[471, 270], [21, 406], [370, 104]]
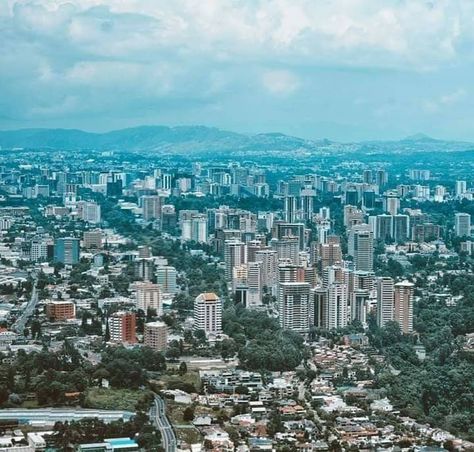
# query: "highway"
[[19, 325], [158, 415]]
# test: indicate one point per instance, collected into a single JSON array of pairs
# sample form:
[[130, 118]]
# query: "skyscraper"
[[337, 306], [235, 253], [294, 306], [361, 247], [400, 228], [391, 202], [403, 306], [385, 294]]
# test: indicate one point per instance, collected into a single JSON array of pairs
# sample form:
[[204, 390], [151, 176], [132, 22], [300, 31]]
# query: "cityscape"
[[221, 228]]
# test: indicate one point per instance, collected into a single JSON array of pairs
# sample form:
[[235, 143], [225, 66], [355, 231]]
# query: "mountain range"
[[200, 139]]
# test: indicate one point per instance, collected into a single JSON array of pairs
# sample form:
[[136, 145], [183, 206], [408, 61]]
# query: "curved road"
[[158, 415]]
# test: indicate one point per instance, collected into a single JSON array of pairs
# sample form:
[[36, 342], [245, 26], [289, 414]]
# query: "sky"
[[348, 70]]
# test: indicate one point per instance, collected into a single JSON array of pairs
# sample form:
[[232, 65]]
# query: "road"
[[158, 415], [19, 325]]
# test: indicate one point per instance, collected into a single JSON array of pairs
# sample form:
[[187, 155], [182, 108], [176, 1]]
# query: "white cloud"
[[280, 82], [123, 55], [444, 101]]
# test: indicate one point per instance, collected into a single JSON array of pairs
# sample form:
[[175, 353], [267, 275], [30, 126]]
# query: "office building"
[[361, 247], [166, 279], [462, 224], [66, 250], [151, 207], [92, 239], [89, 211]]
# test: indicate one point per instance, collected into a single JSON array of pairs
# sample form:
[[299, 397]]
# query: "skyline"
[[351, 70]]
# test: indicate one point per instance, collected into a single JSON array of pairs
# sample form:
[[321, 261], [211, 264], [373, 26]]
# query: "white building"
[[208, 314], [148, 296]]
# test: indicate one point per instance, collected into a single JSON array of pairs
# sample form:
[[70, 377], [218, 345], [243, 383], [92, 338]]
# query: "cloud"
[[444, 101], [280, 82], [105, 58]]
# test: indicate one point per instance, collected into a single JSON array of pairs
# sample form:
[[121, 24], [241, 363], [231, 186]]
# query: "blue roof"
[[121, 442]]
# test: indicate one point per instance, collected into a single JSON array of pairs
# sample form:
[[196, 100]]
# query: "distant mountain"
[[200, 139], [419, 137]]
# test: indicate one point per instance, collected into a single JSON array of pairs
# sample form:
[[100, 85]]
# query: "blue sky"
[[341, 69]]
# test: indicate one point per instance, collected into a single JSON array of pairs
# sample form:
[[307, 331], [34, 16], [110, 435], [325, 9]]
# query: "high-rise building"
[[166, 278], [359, 302], [361, 247], [255, 284], [403, 306], [155, 335], [199, 228], [148, 296], [329, 254], [39, 249], [92, 239], [66, 250], [235, 253], [307, 197], [295, 308], [439, 193], [145, 269], [391, 202], [269, 260], [382, 226], [461, 188], [337, 306], [151, 207], [291, 208], [400, 228], [89, 211], [385, 295], [287, 249], [352, 216], [462, 224], [122, 327], [367, 176], [320, 300], [208, 314], [381, 177]]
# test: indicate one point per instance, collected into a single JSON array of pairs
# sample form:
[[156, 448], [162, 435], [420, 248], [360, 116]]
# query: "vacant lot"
[[113, 399]]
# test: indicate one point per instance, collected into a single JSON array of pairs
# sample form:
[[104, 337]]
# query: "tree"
[[183, 368], [188, 413]]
